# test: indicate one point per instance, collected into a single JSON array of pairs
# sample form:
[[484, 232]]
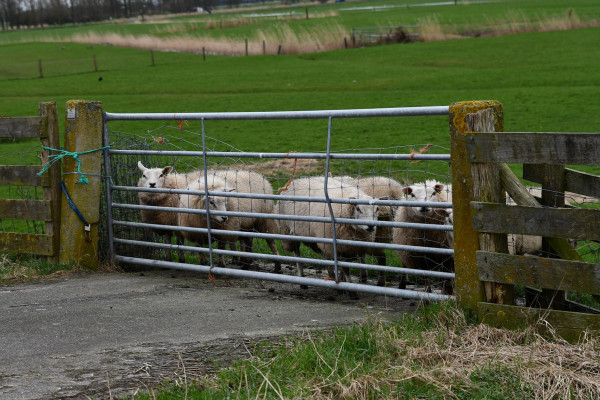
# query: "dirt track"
[[112, 334]]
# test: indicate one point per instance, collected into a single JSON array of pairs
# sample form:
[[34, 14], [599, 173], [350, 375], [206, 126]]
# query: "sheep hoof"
[[363, 280]]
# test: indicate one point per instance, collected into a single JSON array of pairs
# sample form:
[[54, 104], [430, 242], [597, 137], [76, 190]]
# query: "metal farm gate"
[[130, 241]]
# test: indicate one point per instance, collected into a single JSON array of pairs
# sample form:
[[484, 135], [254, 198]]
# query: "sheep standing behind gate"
[[215, 203], [162, 178], [382, 188], [315, 187], [429, 191], [242, 181]]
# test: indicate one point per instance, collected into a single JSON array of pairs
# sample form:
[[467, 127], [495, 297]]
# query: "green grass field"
[[547, 81]]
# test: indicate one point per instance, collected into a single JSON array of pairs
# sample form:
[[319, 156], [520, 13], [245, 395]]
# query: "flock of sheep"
[[290, 213]]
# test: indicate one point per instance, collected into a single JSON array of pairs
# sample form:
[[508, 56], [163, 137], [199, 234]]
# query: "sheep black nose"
[[424, 209], [225, 219], [370, 228], [152, 185]]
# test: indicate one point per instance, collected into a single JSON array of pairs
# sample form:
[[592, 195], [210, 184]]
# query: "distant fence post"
[[466, 119], [40, 68], [83, 132], [95, 63], [53, 193]]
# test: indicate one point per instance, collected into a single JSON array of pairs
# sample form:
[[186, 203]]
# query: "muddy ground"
[[112, 334]]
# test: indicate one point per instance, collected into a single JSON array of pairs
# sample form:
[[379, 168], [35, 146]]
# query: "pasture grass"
[[436, 353]]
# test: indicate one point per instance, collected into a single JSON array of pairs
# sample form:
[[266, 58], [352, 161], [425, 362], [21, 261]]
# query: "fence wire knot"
[[63, 153]]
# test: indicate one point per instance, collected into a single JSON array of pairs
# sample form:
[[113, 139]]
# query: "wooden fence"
[[45, 128], [485, 272]]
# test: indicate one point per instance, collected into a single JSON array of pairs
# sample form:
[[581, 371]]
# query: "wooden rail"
[[45, 128], [545, 156]]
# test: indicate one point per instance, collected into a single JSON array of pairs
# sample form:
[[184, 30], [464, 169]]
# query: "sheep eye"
[[144, 175], [359, 210], [161, 175]]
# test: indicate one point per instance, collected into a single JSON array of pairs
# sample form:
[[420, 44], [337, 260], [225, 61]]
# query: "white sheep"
[[382, 188], [430, 191], [161, 178], [215, 203], [243, 181], [315, 187]]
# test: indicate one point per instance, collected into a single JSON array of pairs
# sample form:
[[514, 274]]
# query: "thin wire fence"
[[21, 153]]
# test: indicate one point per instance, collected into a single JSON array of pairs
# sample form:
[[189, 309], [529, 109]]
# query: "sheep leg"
[[180, 242], [275, 252], [168, 238], [246, 247], [299, 266]]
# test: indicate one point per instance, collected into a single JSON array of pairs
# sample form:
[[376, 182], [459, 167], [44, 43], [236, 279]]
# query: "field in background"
[[286, 29]]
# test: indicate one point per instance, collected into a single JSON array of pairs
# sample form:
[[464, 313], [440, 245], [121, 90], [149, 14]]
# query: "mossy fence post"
[[474, 182], [53, 193], [83, 132]]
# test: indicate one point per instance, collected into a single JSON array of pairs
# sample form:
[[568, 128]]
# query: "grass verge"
[[435, 354]]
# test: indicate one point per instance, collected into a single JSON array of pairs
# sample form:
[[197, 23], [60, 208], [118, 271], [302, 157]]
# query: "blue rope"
[[75, 154], [72, 204]]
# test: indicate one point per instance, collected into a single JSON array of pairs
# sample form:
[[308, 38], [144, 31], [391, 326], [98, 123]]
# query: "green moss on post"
[[83, 132], [467, 287]]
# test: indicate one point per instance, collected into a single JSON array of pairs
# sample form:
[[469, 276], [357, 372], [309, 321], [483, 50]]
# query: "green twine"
[[75, 154]]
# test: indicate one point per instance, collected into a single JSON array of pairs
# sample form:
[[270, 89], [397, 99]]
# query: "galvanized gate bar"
[[406, 203], [410, 225], [317, 114], [292, 259], [308, 239], [308, 156], [354, 287]]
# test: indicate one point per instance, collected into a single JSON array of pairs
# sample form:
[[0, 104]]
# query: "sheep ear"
[[407, 190], [438, 188], [385, 198], [167, 170], [230, 190], [141, 166]]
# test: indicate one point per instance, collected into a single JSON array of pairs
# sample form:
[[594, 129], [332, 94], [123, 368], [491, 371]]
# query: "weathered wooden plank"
[[535, 148], [30, 210], [569, 325], [549, 273], [22, 127], [22, 175], [52, 192], [26, 243], [575, 181], [572, 223], [487, 187], [467, 287], [522, 197]]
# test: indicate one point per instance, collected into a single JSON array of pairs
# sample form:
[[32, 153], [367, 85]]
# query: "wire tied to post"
[[75, 154]]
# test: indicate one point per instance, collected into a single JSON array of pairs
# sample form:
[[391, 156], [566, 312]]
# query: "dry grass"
[[325, 37], [513, 22], [448, 356]]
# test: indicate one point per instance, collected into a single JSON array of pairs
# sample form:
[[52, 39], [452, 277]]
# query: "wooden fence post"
[[466, 118], [40, 68], [52, 193], [83, 132]]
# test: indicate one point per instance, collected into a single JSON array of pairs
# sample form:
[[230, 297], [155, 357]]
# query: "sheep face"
[[153, 177], [423, 192], [365, 212], [215, 203]]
